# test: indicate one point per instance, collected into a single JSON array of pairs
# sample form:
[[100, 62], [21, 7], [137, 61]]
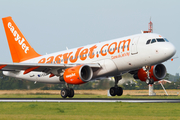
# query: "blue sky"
[[52, 25]]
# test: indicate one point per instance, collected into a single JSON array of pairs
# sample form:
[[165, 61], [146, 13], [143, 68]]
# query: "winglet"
[[19, 47]]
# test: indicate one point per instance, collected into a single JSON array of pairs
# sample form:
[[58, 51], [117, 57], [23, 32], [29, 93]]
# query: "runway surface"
[[89, 100]]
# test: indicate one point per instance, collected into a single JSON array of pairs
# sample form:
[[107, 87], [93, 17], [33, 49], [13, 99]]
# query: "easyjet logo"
[[71, 75], [92, 52], [17, 38]]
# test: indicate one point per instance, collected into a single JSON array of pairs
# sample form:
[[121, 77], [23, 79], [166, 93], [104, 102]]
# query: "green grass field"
[[89, 111]]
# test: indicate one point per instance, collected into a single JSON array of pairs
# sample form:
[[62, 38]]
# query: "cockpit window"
[[153, 41], [160, 40], [148, 41], [166, 40], [156, 40]]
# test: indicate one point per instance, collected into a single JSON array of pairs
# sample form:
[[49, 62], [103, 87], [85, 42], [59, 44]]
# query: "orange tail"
[[19, 47]]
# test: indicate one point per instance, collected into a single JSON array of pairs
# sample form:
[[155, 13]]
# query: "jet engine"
[[157, 72], [78, 74]]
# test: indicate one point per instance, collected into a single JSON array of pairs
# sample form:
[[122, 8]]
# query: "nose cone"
[[169, 50]]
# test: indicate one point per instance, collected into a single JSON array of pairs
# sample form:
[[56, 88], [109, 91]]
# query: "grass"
[[86, 111]]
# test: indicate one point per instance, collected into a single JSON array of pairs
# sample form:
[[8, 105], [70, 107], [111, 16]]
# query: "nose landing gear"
[[148, 80]]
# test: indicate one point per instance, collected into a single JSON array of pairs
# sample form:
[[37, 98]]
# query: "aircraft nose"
[[170, 50]]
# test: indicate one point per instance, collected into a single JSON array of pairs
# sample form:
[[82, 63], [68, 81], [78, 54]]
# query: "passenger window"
[[153, 41], [148, 41], [160, 40]]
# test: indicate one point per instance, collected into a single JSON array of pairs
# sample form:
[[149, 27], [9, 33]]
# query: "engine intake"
[[159, 71]]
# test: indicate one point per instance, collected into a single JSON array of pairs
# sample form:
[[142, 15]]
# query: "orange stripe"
[[51, 75], [2, 66], [30, 69]]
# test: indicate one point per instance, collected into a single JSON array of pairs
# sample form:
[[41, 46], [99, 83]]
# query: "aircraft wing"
[[28, 67]]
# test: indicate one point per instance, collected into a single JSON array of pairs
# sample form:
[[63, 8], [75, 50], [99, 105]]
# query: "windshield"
[[156, 40], [166, 40], [160, 40], [153, 41]]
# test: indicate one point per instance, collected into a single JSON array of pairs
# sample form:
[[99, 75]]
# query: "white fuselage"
[[116, 57]]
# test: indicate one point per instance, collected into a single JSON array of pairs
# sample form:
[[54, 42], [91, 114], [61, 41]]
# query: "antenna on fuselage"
[[150, 27]]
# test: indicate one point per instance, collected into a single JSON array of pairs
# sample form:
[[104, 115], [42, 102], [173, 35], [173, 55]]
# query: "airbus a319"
[[141, 55]]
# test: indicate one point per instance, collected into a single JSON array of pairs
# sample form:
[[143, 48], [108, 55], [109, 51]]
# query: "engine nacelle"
[[78, 74], [157, 72]]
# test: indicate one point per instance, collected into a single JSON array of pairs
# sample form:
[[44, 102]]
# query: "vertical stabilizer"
[[19, 47]]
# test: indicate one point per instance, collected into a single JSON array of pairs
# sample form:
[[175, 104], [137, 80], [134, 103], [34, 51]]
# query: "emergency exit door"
[[134, 49]]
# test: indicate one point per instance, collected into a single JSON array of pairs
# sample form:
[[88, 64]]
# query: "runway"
[[59, 100]]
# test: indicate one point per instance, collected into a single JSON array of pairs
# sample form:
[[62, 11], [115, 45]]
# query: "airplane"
[[140, 55]]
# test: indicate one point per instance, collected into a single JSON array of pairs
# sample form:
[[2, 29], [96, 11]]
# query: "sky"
[[52, 25]]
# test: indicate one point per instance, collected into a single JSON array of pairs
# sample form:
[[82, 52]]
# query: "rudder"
[[19, 47]]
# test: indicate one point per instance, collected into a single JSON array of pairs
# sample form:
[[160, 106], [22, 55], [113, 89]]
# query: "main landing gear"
[[148, 80], [67, 92], [116, 90]]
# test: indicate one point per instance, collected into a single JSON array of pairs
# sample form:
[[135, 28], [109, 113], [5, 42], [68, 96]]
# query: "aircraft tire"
[[71, 93], [64, 93], [147, 81], [119, 91], [151, 81], [112, 91]]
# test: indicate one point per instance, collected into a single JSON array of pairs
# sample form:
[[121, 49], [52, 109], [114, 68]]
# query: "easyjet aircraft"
[[140, 54]]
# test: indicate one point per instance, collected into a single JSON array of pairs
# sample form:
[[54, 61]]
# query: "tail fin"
[[19, 47]]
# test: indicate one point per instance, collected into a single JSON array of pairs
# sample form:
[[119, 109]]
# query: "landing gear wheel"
[[119, 91], [71, 93], [151, 81], [116, 91], [64, 93], [112, 91], [147, 81]]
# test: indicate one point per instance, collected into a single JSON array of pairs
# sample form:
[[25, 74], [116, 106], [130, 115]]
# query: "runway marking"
[[89, 100]]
